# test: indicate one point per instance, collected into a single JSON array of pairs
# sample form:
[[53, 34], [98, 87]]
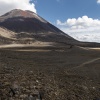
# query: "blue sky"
[[78, 18], [52, 10]]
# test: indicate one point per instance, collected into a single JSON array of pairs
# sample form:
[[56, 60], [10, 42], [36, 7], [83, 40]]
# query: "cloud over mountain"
[[7, 5], [82, 26]]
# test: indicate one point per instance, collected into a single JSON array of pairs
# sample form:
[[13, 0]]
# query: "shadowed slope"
[[29, 24]]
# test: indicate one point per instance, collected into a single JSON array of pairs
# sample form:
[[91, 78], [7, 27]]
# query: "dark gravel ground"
[[27, 75]]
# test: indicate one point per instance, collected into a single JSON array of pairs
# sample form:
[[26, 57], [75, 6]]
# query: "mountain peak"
[[19, 13]]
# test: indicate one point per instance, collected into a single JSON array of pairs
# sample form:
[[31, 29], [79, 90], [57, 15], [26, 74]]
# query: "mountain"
[[26, 27], [86, 36]]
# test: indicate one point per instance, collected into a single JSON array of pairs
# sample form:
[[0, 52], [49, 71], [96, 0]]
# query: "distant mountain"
[[27, 27], [86, 36]]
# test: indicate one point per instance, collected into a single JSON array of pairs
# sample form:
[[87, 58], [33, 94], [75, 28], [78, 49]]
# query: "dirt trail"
[[87, 62]]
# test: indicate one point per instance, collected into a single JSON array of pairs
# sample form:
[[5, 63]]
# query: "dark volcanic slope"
[[27, 24], [24, 22]]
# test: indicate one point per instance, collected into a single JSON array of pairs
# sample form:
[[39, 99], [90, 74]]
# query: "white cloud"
[[7, 5], [81, 22], [82, 28], [98, 1]]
